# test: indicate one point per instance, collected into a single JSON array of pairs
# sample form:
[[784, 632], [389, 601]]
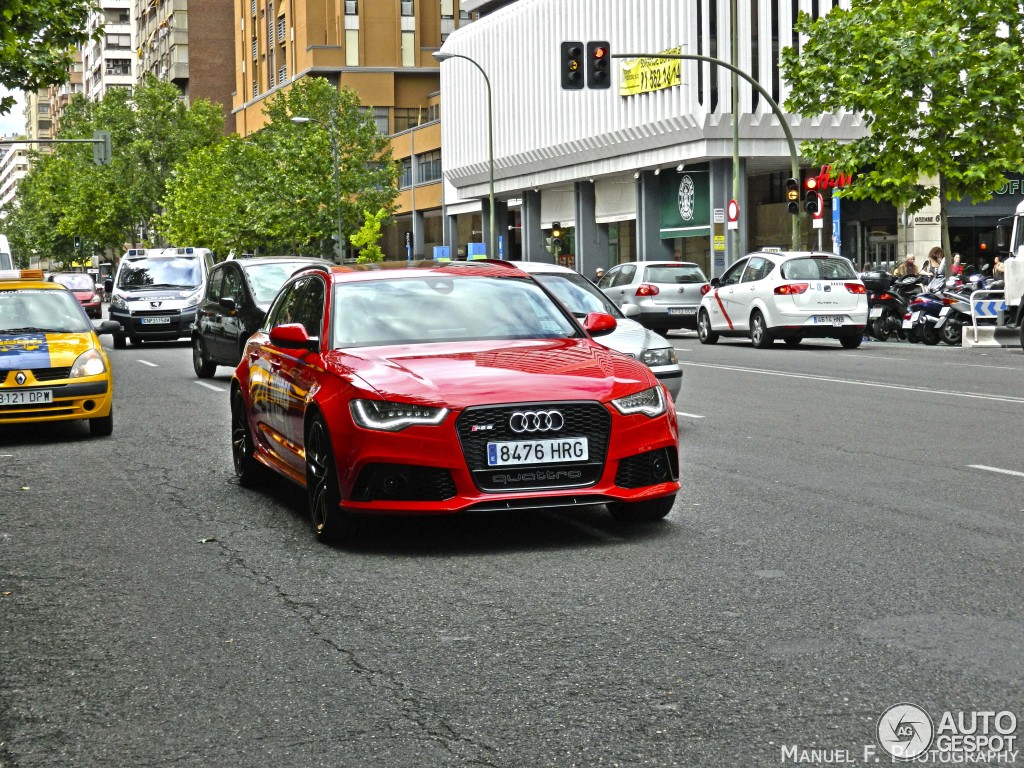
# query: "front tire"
[[119, 341], [102, 426], [951, 333], [704, 332], [759, 335], [203, 367], [648, 511], [323, 495], [929, 335], [243, 450]]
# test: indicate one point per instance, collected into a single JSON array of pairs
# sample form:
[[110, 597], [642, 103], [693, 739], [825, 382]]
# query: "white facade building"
[[110, 61], [604, 165], [13, 167]]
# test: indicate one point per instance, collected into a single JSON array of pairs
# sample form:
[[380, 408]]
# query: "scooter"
[[922, 316], [957, 310], [887, 307]]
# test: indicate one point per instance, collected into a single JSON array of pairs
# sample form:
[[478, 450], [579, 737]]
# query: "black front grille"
[[403, 482], [51, 374], [651, 468], [487, 424]]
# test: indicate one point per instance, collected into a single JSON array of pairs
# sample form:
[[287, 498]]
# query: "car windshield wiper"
[[166, 285]]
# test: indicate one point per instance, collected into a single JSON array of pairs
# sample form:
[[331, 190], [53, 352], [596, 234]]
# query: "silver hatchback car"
[[581, 296], [667, 293]]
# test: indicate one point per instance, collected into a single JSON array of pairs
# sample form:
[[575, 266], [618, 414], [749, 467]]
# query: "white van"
[[156, 292]]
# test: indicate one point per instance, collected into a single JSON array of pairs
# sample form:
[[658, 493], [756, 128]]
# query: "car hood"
[[631, 338], [472, 373], [41, 350]]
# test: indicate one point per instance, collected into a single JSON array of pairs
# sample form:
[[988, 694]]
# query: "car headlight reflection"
[[661, 356], [89, 363], [118, 302], [650, 402], [193, 298], [394, 417]]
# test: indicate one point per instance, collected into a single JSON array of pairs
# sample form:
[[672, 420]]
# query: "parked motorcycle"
[[887, 303], [956, 314], [921, 320]]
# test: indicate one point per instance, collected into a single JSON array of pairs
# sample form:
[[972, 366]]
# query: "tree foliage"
[[37, 41], [66, 196], [367, 239], [275, 191], [940, 86]]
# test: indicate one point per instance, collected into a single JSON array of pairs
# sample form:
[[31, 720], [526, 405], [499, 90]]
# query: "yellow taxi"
[[52, 366]]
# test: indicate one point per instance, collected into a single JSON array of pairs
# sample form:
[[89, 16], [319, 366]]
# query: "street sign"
[[734, 214], [719, 216], [718, 243]]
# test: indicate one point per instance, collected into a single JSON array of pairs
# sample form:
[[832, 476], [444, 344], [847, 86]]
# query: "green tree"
[[940, 86], [367, 239], [37, 42], [107, 206]]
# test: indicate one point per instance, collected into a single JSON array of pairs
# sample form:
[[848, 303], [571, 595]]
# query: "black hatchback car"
[[237, 297]]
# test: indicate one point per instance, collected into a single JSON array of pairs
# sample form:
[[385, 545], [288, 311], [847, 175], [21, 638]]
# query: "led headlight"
[[89, 363], [650, 402], [661, 356], [192, 299], [118, 302], [394, 417]]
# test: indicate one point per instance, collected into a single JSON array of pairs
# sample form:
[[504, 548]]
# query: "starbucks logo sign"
[[685, 198]]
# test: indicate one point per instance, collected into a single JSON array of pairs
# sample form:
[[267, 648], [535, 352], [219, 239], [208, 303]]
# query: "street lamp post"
[[332, 133], [490, 141]]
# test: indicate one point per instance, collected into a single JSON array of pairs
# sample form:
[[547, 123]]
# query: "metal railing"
[[977, 300]]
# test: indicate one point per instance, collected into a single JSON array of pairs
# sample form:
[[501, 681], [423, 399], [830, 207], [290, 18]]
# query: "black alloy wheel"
[[951, 331], [204, 367], [243, 450], [323, 495], [928, 334]]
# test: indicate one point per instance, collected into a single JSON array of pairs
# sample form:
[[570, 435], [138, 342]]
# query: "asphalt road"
[[848, 538]]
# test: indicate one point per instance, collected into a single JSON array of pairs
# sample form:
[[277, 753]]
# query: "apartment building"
[[60, 95], [13, 167], [194, 56], [108, 62], [383, 52]]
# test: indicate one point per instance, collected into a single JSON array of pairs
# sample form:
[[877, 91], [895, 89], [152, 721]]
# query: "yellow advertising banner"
[[648, 74]]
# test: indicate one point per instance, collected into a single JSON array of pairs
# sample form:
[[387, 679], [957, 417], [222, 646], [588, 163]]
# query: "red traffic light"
[[600, 52], [811, 183]]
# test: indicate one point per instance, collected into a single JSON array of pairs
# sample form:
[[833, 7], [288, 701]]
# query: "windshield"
[[815, 268], [76, 282], [267, 279], [435, 308], [580, 296], [160, 273], [41, 311], [674, 273]]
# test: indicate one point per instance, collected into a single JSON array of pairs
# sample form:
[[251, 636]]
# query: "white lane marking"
[[997, 469], [210, 386], [689, 415], [855, 382], [944, 363], [597, 533], [146, 362], [849, 354], [6, 455]]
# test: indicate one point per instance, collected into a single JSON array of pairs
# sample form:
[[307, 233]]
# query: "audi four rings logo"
[[536, 421]]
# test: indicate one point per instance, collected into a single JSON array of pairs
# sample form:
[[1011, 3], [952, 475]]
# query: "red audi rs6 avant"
[[444, 389]]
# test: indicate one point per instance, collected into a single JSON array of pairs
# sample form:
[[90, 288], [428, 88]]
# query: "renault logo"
[[20, 377], [536, 421]]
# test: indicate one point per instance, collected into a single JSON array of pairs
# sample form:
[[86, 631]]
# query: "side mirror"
[[599, 323], [108, 285], [107, 326], [715, 282], [293, 336], [227, 303]]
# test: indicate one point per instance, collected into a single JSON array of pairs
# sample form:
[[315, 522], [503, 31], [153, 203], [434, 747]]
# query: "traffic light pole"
[[100, 142], [794, 156]]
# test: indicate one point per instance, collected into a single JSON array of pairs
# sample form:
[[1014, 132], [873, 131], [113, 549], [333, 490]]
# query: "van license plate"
[[156, 321]]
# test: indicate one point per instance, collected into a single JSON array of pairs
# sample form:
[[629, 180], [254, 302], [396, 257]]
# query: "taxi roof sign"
[[21, 274]]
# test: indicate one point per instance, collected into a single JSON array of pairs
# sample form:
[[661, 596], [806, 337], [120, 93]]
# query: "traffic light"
[[572, 66], [101, 147], [811, 196], [598, 63], [793, 195]]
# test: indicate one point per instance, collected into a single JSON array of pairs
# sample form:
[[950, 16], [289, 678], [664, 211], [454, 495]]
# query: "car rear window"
[[674, 273], [266, 279], [81, 282], [818, 269]]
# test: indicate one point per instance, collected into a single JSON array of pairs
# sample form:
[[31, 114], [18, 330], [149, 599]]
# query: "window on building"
[[252, 8], [118, 66], [405, 173], [428, 167], [281, 30], [408, 118], [407, 8], [447, 9], [119, 41], [351, 47], [408, 49], [255, 49], [282, 74], [351, 8], [379, 116], [255, 88]]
